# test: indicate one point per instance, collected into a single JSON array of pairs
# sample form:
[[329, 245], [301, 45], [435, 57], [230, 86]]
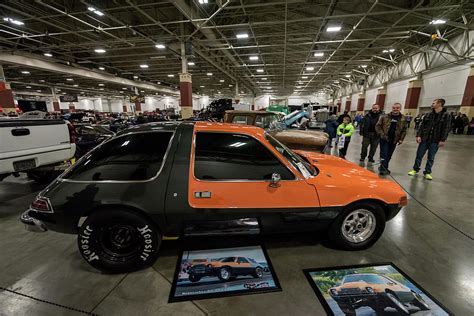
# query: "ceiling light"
[[203, 2], [438, 21], [82, 92], [38, 90], [69, 79], [385, 51], [63, 93], [201, 86], [304, 77], [347, 76], [363, 66], [263, 78], [121, 91], [319, 54], [336, 81], [124, 88], [41, 80], [309, 68], [144, 66], [171, 76], [160, 46], [209, 74], [158, 82], [259, 70], [191, 63], [99, 50], [253, 57], [28, 87], [222, 80], [13, 21], [101, 68], [92, 9], [101, 84], [48, 54], [101, 89], [142, 91], [231, 85], [25, 72], [76, 85], [242, 35], [333, 29], [135, 77], [58, 90], [391, 50]]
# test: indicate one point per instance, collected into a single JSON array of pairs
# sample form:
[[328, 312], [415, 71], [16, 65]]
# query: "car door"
[[230, 178]]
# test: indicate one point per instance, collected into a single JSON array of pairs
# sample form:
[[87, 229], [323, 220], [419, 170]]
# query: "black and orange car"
[[158, 180], [226, 268], [376, 291]]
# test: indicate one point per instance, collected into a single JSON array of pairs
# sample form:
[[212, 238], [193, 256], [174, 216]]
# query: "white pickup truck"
[[36, 146]]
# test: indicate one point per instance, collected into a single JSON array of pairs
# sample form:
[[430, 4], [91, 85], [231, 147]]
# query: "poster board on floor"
[[212, 273], [380, 289]]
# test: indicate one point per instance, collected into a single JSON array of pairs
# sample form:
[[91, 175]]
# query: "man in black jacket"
[[367, 130], [431, 135]]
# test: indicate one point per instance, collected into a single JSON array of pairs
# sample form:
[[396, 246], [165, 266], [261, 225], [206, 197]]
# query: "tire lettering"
[[148, 248]]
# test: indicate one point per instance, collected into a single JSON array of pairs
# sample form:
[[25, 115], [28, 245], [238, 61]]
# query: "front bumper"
[[32, 224]]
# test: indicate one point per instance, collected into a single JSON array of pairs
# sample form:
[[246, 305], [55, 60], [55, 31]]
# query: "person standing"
[[347, 130], [458, 124], [392, 130], [331, 128], [369, 135], [408, 118], [433, 132], [417, 120]]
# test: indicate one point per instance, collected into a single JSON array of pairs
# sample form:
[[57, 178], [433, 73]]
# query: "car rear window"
[[130, 157]]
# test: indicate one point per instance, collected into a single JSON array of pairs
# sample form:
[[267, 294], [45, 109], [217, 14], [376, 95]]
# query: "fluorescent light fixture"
[[101, 89], [101, 84], [25, 72], [391, 50], [48, 54], [333, 29], [99, 50], [170, 75], [135, 77], [160, 46], [121, 91], [13, 21], [385, 51], [191, 63], [201, 86], [242, 35], [76, 85], [92, 9], [101, 68], [58, 90], [304, 77], [203, 2], [69, 79], [28, 87], [363, 66], [336, 81], [142, 91], [231, 85], [263, 78], [259, 70], [347, 76], [309, 68], [222, 80], [158, 82], [38, 90], [318, 54], [253, 57], [209, 74], [41, 80], [124, 88], [438, 21], [144, 66]]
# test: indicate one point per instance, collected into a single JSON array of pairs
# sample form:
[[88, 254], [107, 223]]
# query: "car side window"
[[259, 121], [128, 158], [242, 260], [229, 156], [242, 119]]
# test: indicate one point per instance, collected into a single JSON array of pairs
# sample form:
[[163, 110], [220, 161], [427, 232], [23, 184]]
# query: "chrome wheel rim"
[[224, 274], [358, 226]]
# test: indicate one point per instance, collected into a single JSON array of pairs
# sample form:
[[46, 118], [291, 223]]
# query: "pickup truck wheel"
[[258, 273], [118, 241], [43, 176], [224, 274], [358, 227]]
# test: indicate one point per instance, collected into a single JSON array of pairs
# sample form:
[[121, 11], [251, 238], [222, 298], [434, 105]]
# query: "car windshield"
[[305, 168], [368, 278]]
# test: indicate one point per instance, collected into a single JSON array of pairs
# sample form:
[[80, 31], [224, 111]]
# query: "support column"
[[380, 99], [339, 102], [360, 102], [467, 103], [138, 105], [348, 104], [56, 106], [413, 94], [6, 95], [185, 86]]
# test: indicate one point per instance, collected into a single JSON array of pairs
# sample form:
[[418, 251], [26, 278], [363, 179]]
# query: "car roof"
[[228, 127]]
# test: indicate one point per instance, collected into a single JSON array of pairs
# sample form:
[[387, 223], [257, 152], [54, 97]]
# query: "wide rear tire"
[[118, 241]]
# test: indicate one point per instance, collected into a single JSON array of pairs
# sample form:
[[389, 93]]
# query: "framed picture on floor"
[[371, 289], [212, 273]]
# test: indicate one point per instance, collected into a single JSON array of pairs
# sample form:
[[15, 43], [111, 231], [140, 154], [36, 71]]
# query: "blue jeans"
[[386, 151], [432, 149]]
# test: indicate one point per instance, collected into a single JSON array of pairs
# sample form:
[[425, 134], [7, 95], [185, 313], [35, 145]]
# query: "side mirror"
[[275, 182]]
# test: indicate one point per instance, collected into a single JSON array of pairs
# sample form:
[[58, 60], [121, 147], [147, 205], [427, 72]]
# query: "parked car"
[[376, 291], [153, 180], [89, 136], [38, 147], [226, 269], [293, 138]]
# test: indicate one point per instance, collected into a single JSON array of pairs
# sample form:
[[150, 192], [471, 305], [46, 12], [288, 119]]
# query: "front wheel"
[[224, 274], [358, 227], [194, 278], [348, 310], [402, 310], [258, 273], [118, 241]]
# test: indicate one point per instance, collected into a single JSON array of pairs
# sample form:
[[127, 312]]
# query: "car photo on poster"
[[223, 272], [371, 290]]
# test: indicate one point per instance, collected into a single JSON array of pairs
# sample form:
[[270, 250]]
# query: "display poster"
[[377, 289], [223, 272]]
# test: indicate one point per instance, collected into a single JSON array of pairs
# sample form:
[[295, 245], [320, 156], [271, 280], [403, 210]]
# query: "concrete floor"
[[441, 259]]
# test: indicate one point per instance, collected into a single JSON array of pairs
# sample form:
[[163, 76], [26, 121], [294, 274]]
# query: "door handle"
[[202, 195], [20, 132]]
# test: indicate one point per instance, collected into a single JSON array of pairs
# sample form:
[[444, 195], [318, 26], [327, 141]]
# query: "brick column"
[[339, 105], [467, 103], [6, 98], [348, 105], [72, 107], [380, 99], [360, 102], [186, 93], [413, 94], [138, 105], [124, 108]]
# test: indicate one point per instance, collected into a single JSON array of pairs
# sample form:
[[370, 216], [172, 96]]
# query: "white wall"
[[397, 92], [448, 84], [370, 98], [354, 99]]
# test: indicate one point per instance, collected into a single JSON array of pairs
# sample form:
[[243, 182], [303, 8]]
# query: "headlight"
[[333, 292], [370, 290]]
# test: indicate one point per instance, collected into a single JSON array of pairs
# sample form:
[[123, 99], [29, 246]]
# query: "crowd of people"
[[387, 131]]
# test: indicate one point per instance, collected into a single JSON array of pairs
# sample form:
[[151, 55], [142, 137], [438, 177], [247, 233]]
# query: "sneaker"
[[412, 172], [428, 176], [361, 159], [371, 160], [382, 172]]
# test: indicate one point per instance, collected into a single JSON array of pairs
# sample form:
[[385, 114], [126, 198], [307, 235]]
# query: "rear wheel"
[[194, 278], [117, 241], [358, 227], [224, 274]]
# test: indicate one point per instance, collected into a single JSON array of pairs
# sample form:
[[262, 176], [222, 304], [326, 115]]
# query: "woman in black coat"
[[331, 128]]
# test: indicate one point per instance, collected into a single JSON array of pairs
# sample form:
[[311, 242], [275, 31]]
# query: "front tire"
[[118, 241], [402, 310], [348, 310], [224, 274], [194, 278], [358, 227], [258, 274]]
